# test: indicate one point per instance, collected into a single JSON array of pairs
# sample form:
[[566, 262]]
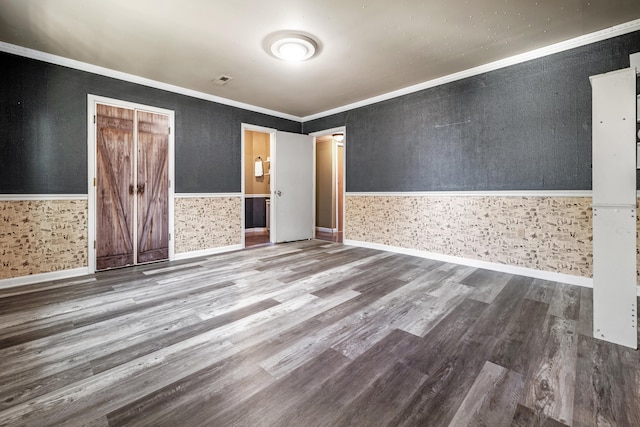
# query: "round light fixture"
[[293, 47]]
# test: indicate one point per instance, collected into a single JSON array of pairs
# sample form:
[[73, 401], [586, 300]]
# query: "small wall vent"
[[222, 80]]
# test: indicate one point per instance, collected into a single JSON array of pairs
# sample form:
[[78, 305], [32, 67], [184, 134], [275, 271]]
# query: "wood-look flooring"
[[329, 237], [256, 239], [309, 334]]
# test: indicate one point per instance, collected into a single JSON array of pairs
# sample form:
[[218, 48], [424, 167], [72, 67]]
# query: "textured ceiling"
[[368, 48]]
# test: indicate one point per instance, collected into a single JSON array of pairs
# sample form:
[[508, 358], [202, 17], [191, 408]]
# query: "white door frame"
[[272, 133], [92, 100], [343, 130]]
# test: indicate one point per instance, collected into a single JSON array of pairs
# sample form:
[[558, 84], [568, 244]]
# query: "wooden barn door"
[[131, 208], [114, 187], [153, 187]]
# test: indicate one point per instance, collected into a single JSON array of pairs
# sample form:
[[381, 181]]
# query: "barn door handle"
[[141, 189], [131, 189]]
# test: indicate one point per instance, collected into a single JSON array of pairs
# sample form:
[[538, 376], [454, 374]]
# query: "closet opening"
[[130, 174]]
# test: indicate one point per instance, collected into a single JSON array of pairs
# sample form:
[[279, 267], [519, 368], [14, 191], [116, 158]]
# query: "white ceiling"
[[368, 47]]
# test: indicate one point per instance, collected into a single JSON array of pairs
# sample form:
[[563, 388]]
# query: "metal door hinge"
[[94, 244], [94, 119], [169, 183], [169, 236], [94, 182]]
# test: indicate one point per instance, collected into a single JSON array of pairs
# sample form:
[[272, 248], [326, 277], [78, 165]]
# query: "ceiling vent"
[[222, 80]]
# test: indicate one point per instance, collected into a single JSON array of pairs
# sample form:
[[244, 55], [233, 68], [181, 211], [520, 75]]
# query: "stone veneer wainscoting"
[[45, 236], [42, 236], [544, 233], [203, 223], [552, 234]]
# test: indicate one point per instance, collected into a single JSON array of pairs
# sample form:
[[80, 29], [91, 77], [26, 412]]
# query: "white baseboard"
[[43, 277], [256, 230], [207, 252], [521, 271], [326, 230]]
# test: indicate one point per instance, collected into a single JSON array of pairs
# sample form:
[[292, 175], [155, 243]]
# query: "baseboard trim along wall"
[[43, 277], [521, 271], [207, 252], [586, 282], [326, 230]]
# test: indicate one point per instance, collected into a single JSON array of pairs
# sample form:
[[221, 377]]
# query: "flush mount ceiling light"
[[293, 47], [338, 136]]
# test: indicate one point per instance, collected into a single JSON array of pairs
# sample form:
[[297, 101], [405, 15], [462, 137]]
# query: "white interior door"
[[292, 187]]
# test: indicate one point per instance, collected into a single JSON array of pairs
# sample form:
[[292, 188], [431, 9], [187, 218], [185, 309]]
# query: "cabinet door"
[[614, 275], [614, 149], [114, 187], [152, 187]]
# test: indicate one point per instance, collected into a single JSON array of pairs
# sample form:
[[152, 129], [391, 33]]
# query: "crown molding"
[[107, 72], [584, 40]]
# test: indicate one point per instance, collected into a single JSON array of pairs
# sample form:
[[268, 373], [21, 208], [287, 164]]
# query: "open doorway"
[[257, 187], [330, 186], [277, 186]]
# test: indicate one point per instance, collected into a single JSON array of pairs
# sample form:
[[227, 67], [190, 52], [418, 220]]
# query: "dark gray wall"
[[255, 212], [523, 127], [43, 130]]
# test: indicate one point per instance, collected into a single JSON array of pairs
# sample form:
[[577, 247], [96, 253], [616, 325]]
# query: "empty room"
[[319, 213]]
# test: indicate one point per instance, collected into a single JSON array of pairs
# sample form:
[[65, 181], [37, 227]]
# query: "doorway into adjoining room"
[[330, 187], [257, 187]]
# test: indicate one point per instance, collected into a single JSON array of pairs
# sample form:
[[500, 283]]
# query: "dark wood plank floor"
[[309, 334], [330, 237], [256, 239]]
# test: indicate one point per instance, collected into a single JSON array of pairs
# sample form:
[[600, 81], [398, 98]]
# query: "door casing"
[[272, 132], [343, 130], [92, 100]]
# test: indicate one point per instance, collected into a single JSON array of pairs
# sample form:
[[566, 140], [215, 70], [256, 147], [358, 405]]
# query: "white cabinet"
[[614, 128], [614, 275], [614, 207]]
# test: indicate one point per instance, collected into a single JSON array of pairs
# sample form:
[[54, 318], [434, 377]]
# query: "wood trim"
[[207, 252], [326, 230], [343, 130], [43, 277], [506, 193], [521, 271], [29, 197], [254, 128], [205, 195], [594, 37], [107, 72], [584, 40]]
